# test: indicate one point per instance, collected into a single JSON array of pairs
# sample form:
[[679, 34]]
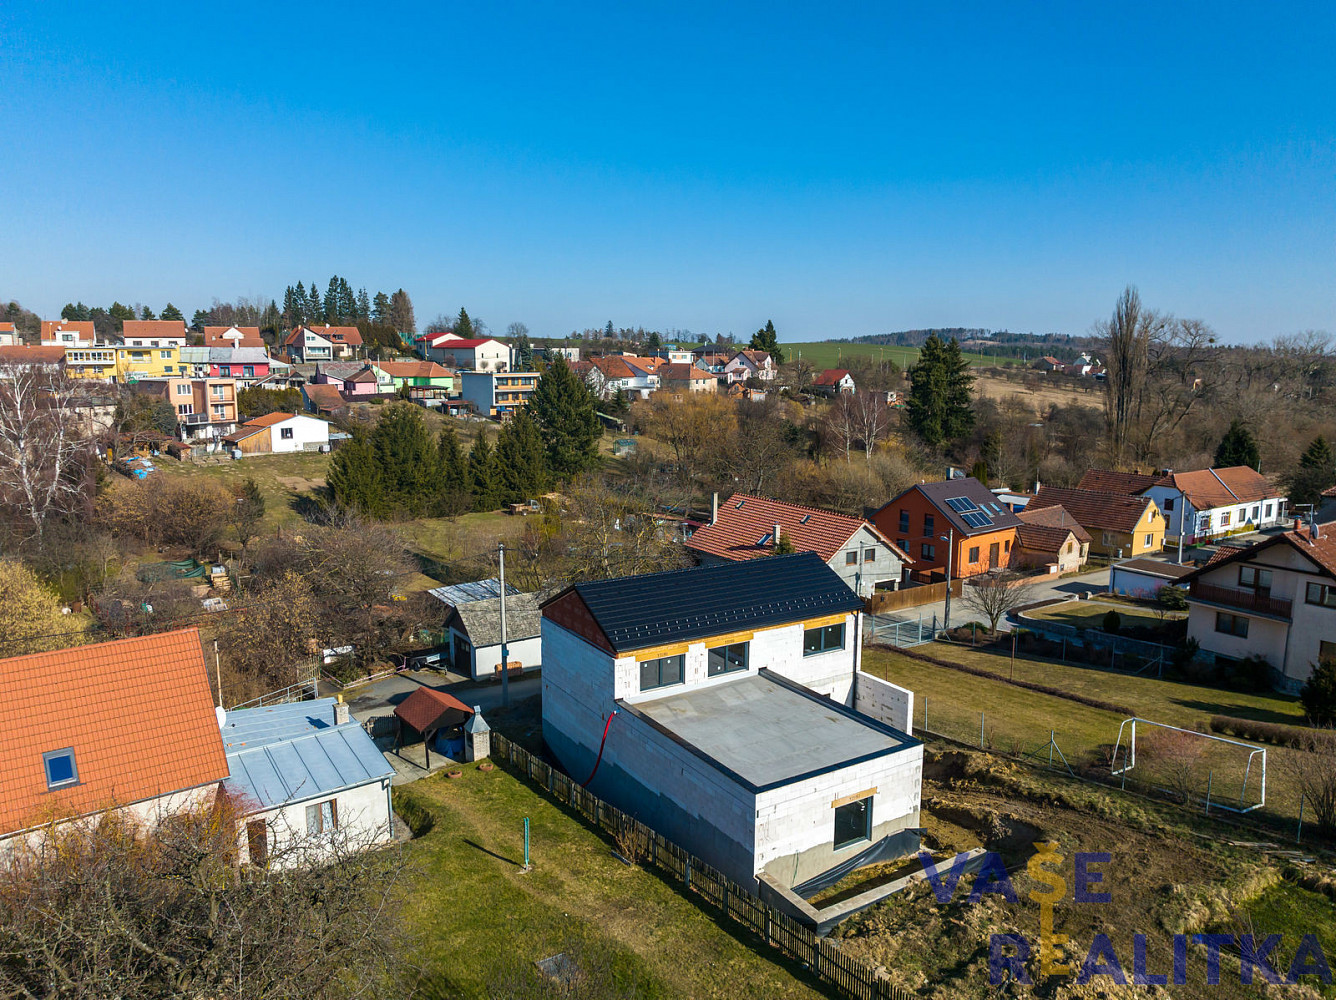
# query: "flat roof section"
[[1153, 567], [767, 732]]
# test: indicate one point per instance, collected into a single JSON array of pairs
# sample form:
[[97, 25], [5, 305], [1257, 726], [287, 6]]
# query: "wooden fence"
[[639, 844], [910, 597]]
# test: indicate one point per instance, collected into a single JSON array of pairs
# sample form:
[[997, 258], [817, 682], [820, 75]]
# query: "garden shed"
[[433, 715]]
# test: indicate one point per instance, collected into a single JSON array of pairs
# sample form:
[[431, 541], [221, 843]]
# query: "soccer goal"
[[1223, 766]]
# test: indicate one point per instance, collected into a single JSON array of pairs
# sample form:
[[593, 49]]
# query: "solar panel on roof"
[[961, 504], [976, 519]]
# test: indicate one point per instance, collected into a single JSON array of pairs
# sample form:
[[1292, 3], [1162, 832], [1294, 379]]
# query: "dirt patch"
[[300, 484]]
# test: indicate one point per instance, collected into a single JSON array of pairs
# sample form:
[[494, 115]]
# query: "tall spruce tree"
[[380, 308], [482, 475], [170, 311], [407, 458], [939, 405], [1237, 447], [363, 305], [766, 339], [521, 464], [563, 407], [463, 325], [455, 494], [1316, 472], [315, 309], [354, 478], [332, 303]]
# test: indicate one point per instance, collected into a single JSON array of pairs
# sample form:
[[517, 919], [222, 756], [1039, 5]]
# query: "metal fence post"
[[1209, 776], [980, 730], [1299, 832]]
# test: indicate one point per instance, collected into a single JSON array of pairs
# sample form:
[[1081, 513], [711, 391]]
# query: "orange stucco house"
[[959, 516]]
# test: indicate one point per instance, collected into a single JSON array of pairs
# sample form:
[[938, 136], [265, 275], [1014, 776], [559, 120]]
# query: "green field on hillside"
[[828, 354]]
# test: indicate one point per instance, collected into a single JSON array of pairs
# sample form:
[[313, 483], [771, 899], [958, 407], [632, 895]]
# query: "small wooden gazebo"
[[427, 711]]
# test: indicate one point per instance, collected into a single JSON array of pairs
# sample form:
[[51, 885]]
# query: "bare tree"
[[872, 419], [110, 908], [44, 446], [1127, 336], [608, 532], [759, 451], [1311, 766], [842, 423], [994, 595]]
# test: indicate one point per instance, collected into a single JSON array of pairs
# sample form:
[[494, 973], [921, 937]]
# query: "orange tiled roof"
[[138, 714], [1109, 481], [269, 419], [154, 328], [413, 369], [683, 373], [424, 708], [324, 396], [8, 328], [84, 328], [349, 335], [1208, 488], [250, 336], [831, 376], [1046, 529], [31, 354], [1092, 508], [745, 519]]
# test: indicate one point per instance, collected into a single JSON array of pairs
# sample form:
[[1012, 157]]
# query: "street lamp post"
[[950, 539]]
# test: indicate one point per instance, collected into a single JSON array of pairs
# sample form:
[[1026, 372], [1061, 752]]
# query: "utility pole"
[[950, 553], [505, 649]]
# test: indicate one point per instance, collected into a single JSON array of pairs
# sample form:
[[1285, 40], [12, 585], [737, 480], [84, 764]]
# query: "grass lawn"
[[282, 479], [478, 920], [1017, 720], [828, 354], [1090, 614]]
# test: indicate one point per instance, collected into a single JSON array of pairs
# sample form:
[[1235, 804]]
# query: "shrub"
[[1319, 694], [1112, 622], [1173, 598], [1267, 732], [1250, 674]]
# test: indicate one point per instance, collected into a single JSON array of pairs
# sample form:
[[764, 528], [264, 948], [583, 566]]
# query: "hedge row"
[[1107, 706], [1268, 732]]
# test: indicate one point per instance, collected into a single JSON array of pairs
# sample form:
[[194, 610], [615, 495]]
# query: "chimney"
[[776, 537], [714, 509], [1036, 485], [340, 711]]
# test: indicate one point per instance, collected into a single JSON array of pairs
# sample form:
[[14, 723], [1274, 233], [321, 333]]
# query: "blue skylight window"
[[61, 770]]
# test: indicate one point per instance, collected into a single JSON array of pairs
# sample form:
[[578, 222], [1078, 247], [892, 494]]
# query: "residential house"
[[610, 374], [1121, 526], [834, 381], [233, 336], [1201, 505], [206, 408], [712, 360], [1050, 537], [9, 335], [1213, 503], [353, 378], [323, 399], [1050, 364], [473, 633], [481, 354], [113, 362], [686, 378], [737, 390], [746, 527], [416, 375], [193, 360], [1144, 578], [346, 341], [1275, 600], [713, 704], [750, 364], [303, 346], [68, 333], [128, 723], [154, 333], [1013, 500], [49, 358], [247, 365], [494, 394], [957, 522], [275, 433], [307, 774]]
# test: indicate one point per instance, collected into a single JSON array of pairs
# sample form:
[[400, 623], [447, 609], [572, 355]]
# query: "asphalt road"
[[380, 697]]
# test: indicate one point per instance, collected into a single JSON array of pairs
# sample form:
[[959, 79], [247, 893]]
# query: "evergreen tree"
[[1237, 447], [380, 308], [407, 458], [401, 313], [609, 332], [454, 495], [464, 325], [939, 406], [363, 305], [347, 300], [315, 309], [170, 311], [300, 317], [200, 320], [1316, 471], [482, 475], [520, 460], [653, 343], [147, 314], [765, 339], [563, 407], [75, 313], [354, 478], [332, 313]]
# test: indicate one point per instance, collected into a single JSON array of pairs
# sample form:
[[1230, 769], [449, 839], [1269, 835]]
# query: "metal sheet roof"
[[288, 753], [462, 593], [686, 604]]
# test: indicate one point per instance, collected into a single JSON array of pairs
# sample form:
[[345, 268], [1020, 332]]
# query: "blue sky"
[[841, 169]]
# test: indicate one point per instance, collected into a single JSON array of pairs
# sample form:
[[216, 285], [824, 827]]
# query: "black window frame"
[[285, 434], [732, 662], [64, 753], [904, 521], [658, 664], [853, 823], [928, 550], [929, 524], [823, 639]]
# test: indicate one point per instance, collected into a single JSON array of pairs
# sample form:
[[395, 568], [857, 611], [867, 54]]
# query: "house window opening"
[[322, 817], [824, 639], [726, 659], [662, 672], [853, 823]]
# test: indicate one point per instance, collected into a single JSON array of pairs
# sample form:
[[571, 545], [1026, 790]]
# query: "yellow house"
[[1119, 526], [122, 364]]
